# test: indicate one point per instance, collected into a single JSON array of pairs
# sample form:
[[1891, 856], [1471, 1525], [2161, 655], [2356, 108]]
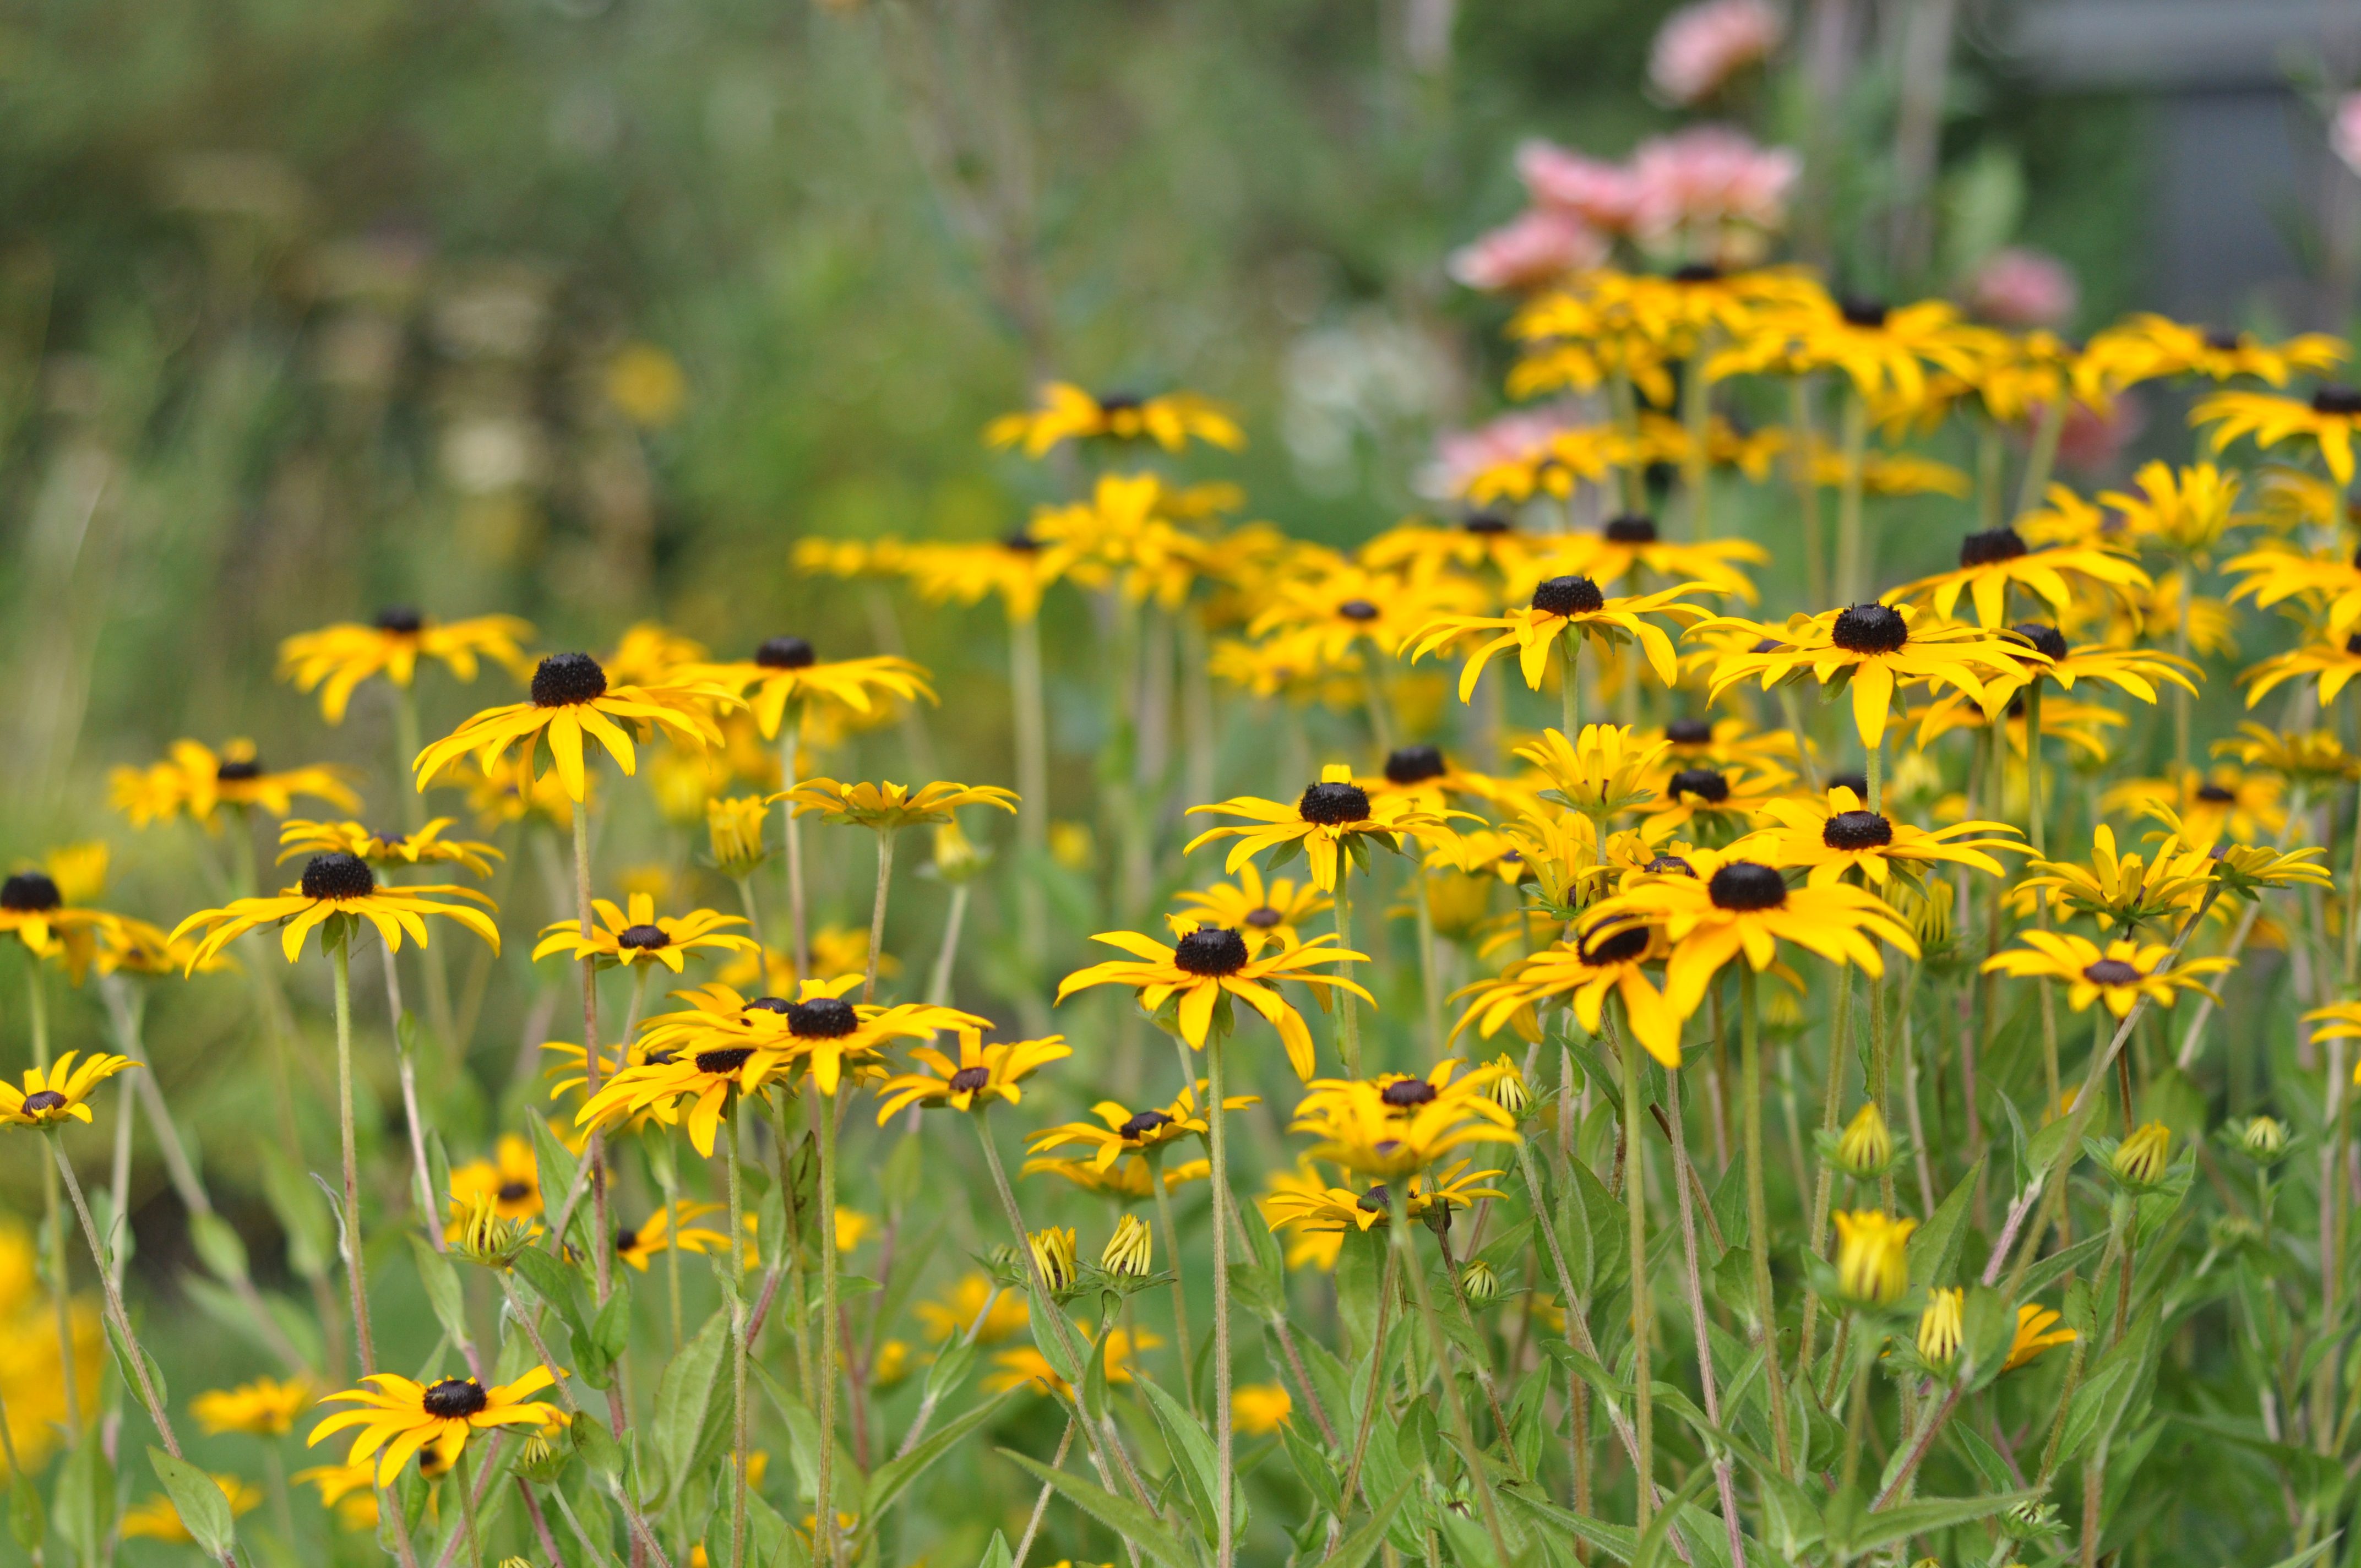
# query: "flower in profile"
[[479, 1232], [1317, 1213], [571, 699], [1701, 48], [1053, 1255], [1331, 819], [1396, 1127], [52, 1095], [1940, 1329], [1508, 1088], [2119, 974], [1605, 769], [1563, 607], [2324, 421], [637, 934], [2182, 511], [889, 807], [196, 781], [1067, 412], [2146, 347], [2033, 1334], [399, 1417], [673, 1227], [510, 1181], [1866, 1145], [982, 1074], [1885, 352], [1128, 1132], [425, 846], [1609, 956], [334, 891], [1873, 1259], [1875, 648], [44, 907], [2140, 1159], [788, 670], [335, 659], [1019, 568], [1258, 1410], [1205, 966], [156, 1519], [350, 1489], [2205, 806], [1837, 835], [2326, 578], [1129, 1251], [1258, 910], [2128, 888], [734, 833], [264, 1408], [2333, 664], [1995, 560], [1632, 542], [1130, 1177]]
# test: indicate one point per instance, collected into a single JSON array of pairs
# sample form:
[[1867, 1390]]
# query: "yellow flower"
[[2120, 974], [1128, 1132], [37, 910], [1324, 617], [2208, 805], [156, 1520], [1396, 1127], [1884, 352], [1995, 560], [424, 847], [510, 1181], [1875, 648], [338, 658], [1939, 1327], [2263, 1137], [1258, 911], [1019, 568], [2314, 755], [734, 832], [2148, 346], [973, 1302], [1866, 1145], [1331, 819], [400, 1416], [264, 1408], [2325, 420], [571, 698], [1710, 804], [1609, 956], [1126, 536], [63, 1090], [2141, 1158], [333, 891], [1319, 1213], [786, 670], [2133, 889], [1606, 768], [646, 385], [1258, 1410], [637, 934], [1563, 607], [1873, 1259], [195, 780], [1053, 1255], [1019, 1368], [350, 1489], [1128, 1251], [671, 1227], [1837, 835], [1066, 413], [1210, 963], [2183, 510], [890, 808], [982, 1074], [2033, 1335]]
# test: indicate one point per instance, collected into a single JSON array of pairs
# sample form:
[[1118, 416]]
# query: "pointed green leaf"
[[198, 1498], [1887, 1526], [1152, 1537], [896, 1475], [442, 1284], [685, 1391], [1935, 1248], [1194, 1459]]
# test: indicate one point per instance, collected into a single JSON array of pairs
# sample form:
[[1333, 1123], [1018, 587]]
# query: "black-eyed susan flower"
[[1128, 1132], [2183, 511], [1873, 648], [1203, 968], [1313, 1210], [2324, 421], [786, 671], [156, 1517], [980, 1075], [59, 1092], [889, 807], [2034, 1333], [1632, 542], [2333, 664], [335, 659], [2147, 347], [1718, 906], [2119, 974], [1873, 1259], [673, 1227], [1126, 534], [1572, 609], [1067, 412], [46, 913], [818, 1032], [1354, 1123], [2134, 671], [334, 891], [509, 1180], [1424, 549], [2131, 889], [1836, 835], [571, 699], [2208, 805], [2304, 756], [350, 1489], [1258, 910], [195, 781], [421, 846], [397, 1418], [264, 1408], [1710, 805], [1996, 560], [1608, 957], [1324, 618], [636, 934], [2326, 578], [1606, 769], [734, 830], [1028, 1368], [1333, 818], [1130, 1176], [1019, 569], [1053, 1255], [2337, 1021], [1886, 351], [136, 947]]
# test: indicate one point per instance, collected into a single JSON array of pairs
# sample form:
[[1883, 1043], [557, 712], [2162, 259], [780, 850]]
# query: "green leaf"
[[896, 1475], [558, 1169], [597, 1447], [1320, 1476], [997, 1555], [1355, 1549], [685, 1391], [1618, 1541], [1050, 1343], [609, 1335], [219, 1244], [27, 1521], [82, 1500], [1360, 1266], [311, 1234], [1935, 1248], [198, 1498], [1152, 1537], [2050, 1269], [554, 1282], [1887, 1526], [442, 1292], [950, 1370], [1194, 1459], [130, 1357], [1651, 1539], [1095, 1380]]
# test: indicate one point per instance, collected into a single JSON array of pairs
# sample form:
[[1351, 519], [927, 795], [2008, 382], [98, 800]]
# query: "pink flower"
[[1604, 195], [2345, 130], [2021, 288], [1542, 245], [1700, 183], [2090, 442], [1701, 47], [1461, 455]]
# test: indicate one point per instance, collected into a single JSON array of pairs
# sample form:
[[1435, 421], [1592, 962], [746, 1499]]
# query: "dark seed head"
[[2352, 643], [29, 893], [1119, 403], [1991, 546], [1870, 629], [2218, 795], [727, 1059], [1414, 764], [237, 770], [1569, 596], [1211, 949], [564, 679], [1857, 831], [1694, 272], [822, 1018], [785, 653], [1708, 784], [1358, 610], [2112, 972], [1632, 528], [1859, 310], [1689, 731], [1766, 646], [1857, 782], [1264, 918], [663, 1057], [1404, 1092], [1747, 885], [769, 1005], [968, 1080], [2047, 639], [42, 1100], [626, 1240], [2222, 342], [402, 619], [1620, 945], [1376, 1200], [1022, 542], [338, 875], [514, 1191], [2336, 400], [1669, 865], [1331, 805], [1488, 522], [454, 1398], [1142, 1122]]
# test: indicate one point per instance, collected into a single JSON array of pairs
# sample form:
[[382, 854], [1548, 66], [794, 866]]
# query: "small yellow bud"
[[2265, 1138], [1478, 1283], [1939, 1327], [734, 830], [1872, 1266], [956, 856], [1128, 1250], [1053, 1255], [1508, 1091], [2140, 1158], [1866, 1147]]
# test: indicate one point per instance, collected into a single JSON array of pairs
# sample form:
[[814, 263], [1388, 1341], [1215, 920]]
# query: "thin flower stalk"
[[1439, 1345], [356, 1271], [1757, 1215], [1725, 1477]]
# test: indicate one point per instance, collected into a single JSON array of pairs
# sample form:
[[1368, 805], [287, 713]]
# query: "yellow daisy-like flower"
[[671, 1228], [299, 836], [1885, 352], [2326, 421], [2184, 511], [889, 807], [136, 947], [335, 888], [196, 781], [1838, 835], [1719, 905], [2079, 724], [1995, 560], [1386, 1131], [1708, 804], [1606, 769], [1631, 543], [2338, 1021], [1128, 1178], [1875, 648], [1872, 1256], [350, 1489], [637, 934], [2207, 804], [982, 1073], [1319, 1215], [335, 659], [2135, 671], [2314, 754], [2131, 889], [1028, 1368], [651, 654], [1212, 963], [1127, 1132], [1019, 568], [1126, 534], [1256, 910], [1067, 412], [1424, 549], [157, 1518], [41, 908], [400, 1416], [2328, 578], [62, 1091], [2119, 974], [1608, 957], [264, 1408], [2148, 346], [787, 670], [1258, 1410], [704, 1077], [1940, 1329], [1331, 819], [2333, 664], [571, 699], [1562, 607], [2033, 1334], [510, 1182], [1324, 617]]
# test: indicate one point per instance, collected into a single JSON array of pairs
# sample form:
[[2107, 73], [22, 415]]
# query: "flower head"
[[981, 1074], [335, 659], [2120, 974], [2324, 421], [1128, 1132], [1128, 1253], [1259, 911], [1211, 964], [425, 846], [1053, 1255], [1608, 957], [1994, 561], [1939, 1327], [264, 1408], [571, 698], [1567, 606], [397, 1418], [334, 891], [1700, 46], [1333, 818], [1872, 648], [2140, 1159], [1837, 835], [196, 781], [62, 1091], [2128, 888], [1258, 1410], [890, 808], [1866, 1145], [2033, 1334], [1873, 1259], [786, 670], [1067, 412], [638, 934], [1359, 1125], [671, 1227]]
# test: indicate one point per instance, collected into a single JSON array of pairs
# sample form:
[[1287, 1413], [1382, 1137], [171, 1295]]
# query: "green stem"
[[1430, 962], [1697, 468], [1180, 1286], [799, 931], [1349, 1018], [1857, 1415], [1217, 1144], [463, 1473], [1635, 1194], [2044, 456], [53, 1214], [1824, 1184], [824, 1114], [1454, 1404], [670, 1171], [602, 1232], [734, 1278], [1757, 1215], [1032, 786], [2037, 834], [1807, 489], [354, 1270], [1569, 696], [1852, 548]]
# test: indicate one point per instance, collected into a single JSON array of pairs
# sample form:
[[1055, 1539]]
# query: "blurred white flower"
[[485, 454], [1701, 47]]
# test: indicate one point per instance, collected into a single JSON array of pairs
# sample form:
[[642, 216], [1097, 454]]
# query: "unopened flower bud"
[[1478, 1283], [1872, 1264], [2141, 1158], [1939, 1329], [2264, 1139], [1053, 1255], [1128, 1251], [1866, 1147], [1509, 1090], [734, 832]]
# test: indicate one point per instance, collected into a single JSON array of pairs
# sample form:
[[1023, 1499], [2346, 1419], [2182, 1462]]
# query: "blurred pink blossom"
[[1604, 195], [1701, 47], [1699, 182], [2090, 442], [2021, 288], [2345, 130], [1540, 245], [1461, 455]]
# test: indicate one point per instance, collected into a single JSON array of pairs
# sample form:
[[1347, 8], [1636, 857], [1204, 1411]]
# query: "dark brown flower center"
[[1264, 918], [42, 1100], [1856, 782], [2046, 638], [968, 1080], [1331, 805], [2112, 972], [1689, 731], [2336, 400], [1747, 885], [454, 1398], [643, 937], [1142, 1122], [565, 680], [1632, 528], [625, 1240], [1569, 596], [1857, 831], [1991, 546], [1357, 609], [727, 1059], [822, 1018], [2222, 342], [1120, 402], [1670, 865], [514, 1191], [2352, 643], [785, 653], [2219, 794], [769, 1005], [1211, 949], [1708, 784], [1859, 310], [1694, 272], [338, 875], [29, 893], [1022, 542], [237, 770], [400, 618], [1404, 1092], [1376, 1200], [1414, 764], [1601, 946], [1870, 629], [1488, 522]]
